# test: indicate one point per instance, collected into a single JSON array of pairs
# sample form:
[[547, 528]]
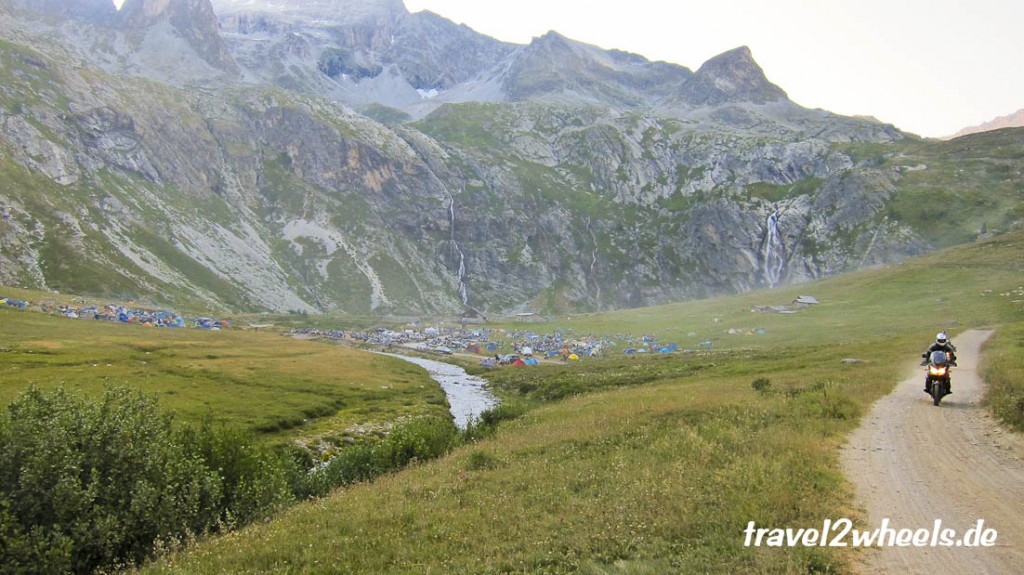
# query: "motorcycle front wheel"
[[937, 391]]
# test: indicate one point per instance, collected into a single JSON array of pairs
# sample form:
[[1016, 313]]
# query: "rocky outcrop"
[[552, 176], [193, 20]]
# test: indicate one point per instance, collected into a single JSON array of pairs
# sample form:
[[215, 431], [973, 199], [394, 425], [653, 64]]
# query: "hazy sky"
[[930, 67]]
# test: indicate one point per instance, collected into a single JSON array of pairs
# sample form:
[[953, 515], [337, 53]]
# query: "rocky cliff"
[[348, 156]]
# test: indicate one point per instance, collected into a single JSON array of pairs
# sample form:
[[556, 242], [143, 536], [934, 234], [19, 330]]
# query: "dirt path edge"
[[913, 464]]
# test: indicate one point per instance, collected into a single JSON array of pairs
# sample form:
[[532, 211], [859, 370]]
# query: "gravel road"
[[914, 463]]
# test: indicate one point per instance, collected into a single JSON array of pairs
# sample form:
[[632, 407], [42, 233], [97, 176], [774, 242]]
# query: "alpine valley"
[[348, 156]]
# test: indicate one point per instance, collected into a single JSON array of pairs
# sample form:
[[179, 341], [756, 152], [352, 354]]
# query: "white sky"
[[930, 67]]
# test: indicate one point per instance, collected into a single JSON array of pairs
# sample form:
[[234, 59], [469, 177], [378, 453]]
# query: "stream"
[[468, 395]]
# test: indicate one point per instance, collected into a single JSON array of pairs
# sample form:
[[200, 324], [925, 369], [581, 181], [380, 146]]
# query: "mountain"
[[193, 21], [1014, 120], [348, 156], [96, 11]]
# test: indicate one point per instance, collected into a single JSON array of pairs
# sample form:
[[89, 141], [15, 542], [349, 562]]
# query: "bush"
[[254, 480], [89, 485], [417, 440], [85, 484], [762, 385], [489, 419], [99, 484]]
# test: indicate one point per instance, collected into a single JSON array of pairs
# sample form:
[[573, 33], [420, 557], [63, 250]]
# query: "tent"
[[573, 357], [532, 361], [519, 362]]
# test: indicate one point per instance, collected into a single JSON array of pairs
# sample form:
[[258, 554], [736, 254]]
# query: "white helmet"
[[941, 338]]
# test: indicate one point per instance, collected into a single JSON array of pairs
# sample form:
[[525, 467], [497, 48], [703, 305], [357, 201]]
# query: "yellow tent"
[[574, 357]]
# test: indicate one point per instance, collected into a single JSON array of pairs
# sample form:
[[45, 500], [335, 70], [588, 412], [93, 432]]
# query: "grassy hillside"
[[949, 192], [656, 464]]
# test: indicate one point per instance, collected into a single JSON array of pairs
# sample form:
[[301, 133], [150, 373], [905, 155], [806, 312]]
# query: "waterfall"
[[463, 292], [774, 257], [593, 264]]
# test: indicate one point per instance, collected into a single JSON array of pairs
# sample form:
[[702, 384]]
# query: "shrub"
[[489, 419], [417, 440], [90, 485], [762, 385], [254, 480], [85, 484]]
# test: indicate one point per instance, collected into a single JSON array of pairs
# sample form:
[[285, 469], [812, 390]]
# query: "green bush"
[[762, 385], [85, 484], [417, 440], [96, 484], [254, 480], [489, 419]]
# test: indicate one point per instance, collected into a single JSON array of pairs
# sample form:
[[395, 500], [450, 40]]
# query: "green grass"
[[970, 184], [656, 464], [1004, 370], [262, 382]]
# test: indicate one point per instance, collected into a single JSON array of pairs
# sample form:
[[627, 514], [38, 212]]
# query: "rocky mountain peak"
[[730, 77], [458, 171], [193, 20], [551, 40], [555, 67]]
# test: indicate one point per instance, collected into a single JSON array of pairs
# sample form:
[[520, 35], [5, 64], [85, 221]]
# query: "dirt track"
[[977, 473]]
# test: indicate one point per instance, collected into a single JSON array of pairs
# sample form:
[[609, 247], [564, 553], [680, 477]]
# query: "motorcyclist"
[[942, 343]]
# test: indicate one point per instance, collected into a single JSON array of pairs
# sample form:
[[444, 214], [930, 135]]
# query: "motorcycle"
[[937, 381]]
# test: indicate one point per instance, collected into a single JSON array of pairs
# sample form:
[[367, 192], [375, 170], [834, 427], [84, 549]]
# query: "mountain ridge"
[[370, 160], [1014, 120]]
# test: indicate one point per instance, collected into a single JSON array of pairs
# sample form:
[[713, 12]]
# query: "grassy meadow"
[[656, 464], [618, 465], [273, 386]]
